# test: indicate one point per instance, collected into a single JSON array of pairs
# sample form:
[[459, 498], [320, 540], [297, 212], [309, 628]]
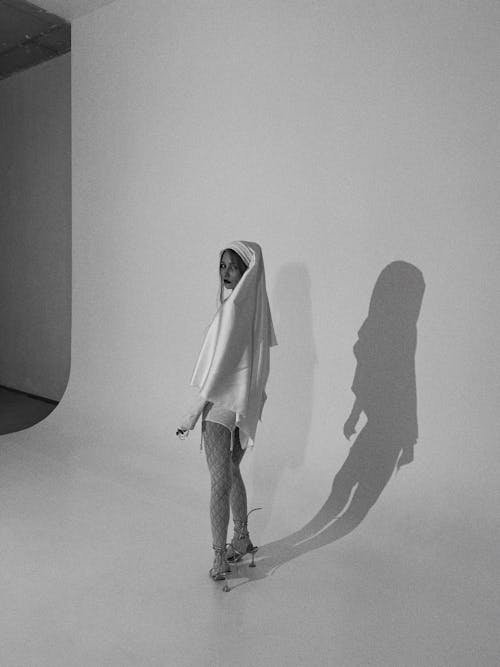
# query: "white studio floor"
[[105, 559]]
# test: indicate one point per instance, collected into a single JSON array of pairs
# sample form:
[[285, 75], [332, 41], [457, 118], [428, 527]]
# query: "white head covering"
[[233, 364]]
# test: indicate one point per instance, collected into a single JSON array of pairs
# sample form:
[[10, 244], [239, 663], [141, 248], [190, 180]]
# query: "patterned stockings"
[[227, 487]]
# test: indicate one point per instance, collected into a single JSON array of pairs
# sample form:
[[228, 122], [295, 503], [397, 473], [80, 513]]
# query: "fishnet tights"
[[226, 484]]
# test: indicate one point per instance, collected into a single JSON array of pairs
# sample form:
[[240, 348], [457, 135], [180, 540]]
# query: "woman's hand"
[[350, 427], [182, 433], [352, 420]]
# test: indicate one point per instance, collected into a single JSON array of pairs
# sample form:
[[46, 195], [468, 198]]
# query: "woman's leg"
[[217, 440], [238, 494], [240, 544]]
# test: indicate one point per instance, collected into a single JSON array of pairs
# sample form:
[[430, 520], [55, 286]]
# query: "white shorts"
[[219, 415]]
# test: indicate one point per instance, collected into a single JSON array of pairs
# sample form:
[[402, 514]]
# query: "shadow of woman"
[[384, 386]]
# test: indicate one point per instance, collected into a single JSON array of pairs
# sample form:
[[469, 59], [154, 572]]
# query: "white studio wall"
[[341, 137], [35, 229]]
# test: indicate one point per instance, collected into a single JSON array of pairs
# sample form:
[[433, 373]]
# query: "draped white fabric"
[[233, 365]]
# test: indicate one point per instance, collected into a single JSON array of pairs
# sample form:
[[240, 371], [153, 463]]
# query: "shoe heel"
[[253, 552]]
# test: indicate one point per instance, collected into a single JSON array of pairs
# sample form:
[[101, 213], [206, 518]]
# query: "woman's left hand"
[[181, 433], [350, 427]]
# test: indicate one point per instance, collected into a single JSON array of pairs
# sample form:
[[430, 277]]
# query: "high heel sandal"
[[241, 543], [220, 565]]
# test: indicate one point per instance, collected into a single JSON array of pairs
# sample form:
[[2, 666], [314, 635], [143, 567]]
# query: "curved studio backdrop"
[[340, 136]]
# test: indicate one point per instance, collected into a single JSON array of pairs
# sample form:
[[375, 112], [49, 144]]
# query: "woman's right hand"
[[182, 433]]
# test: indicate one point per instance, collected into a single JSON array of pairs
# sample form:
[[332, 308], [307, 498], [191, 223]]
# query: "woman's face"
[[231, 269]]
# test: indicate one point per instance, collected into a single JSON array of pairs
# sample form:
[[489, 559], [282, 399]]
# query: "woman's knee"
[[220, 479], [220, 487]]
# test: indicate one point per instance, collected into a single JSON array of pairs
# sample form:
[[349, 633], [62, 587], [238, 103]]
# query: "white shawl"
[[233, 364]]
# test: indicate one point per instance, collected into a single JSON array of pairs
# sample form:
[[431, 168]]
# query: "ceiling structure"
[[32, 32], [29, 35], [71, 9]]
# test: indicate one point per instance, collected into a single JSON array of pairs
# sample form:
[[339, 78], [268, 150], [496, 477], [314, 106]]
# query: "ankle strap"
[[241, 529], [242, 526]]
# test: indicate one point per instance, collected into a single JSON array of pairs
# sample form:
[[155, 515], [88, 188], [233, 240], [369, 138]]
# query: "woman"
[[230, 376]]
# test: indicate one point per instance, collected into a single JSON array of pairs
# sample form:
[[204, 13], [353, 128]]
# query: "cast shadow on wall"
[[384, 387], [293, 365]]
